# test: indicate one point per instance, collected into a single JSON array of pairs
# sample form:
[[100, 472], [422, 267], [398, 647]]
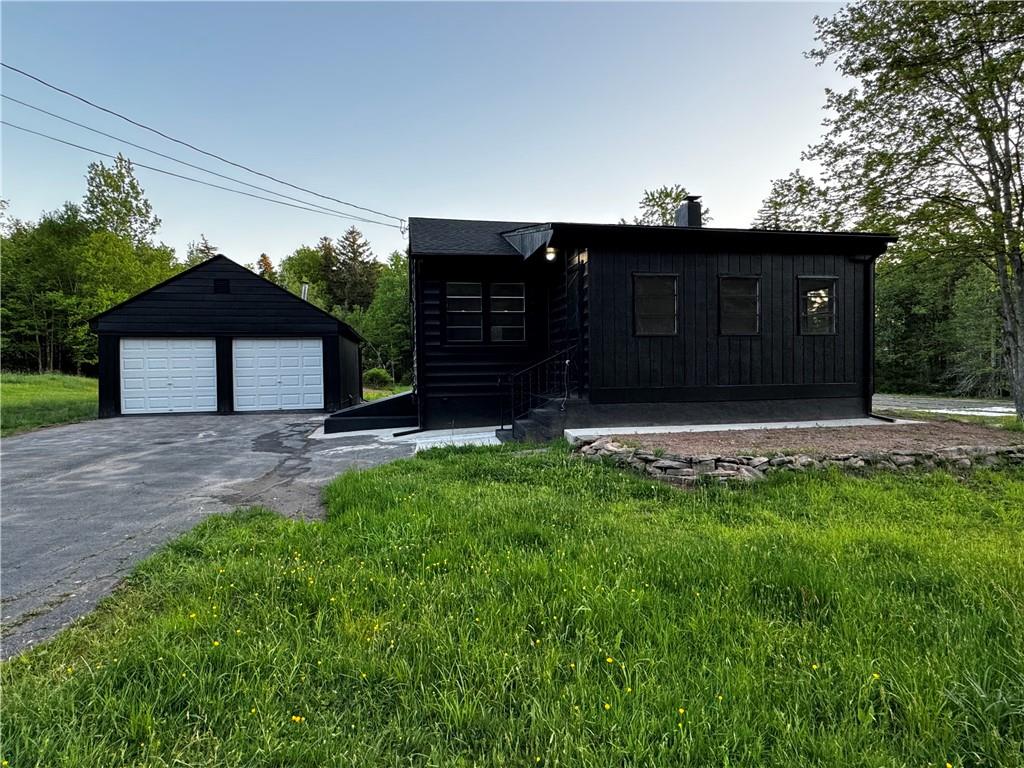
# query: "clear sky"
[[533, 112]]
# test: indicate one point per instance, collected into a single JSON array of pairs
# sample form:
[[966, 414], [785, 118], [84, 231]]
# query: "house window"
[[508, 312], [655, 305], [817, 305], [739, 306], [221, 285], [465, 311]]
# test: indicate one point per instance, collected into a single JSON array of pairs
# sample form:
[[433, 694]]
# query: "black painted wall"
[[187, 306], [457, 383], [584, 298], [698, 363]]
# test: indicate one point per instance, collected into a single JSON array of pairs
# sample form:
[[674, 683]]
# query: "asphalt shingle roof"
[[461, 237]]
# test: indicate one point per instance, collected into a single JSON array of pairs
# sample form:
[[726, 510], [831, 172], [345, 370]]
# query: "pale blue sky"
[[547, 112]]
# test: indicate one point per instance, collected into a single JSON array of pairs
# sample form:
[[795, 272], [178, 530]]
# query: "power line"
[[195, 148], [192, 165], [192, 179]]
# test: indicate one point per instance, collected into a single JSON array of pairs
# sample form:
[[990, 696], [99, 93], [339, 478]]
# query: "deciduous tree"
[[929, 141], [116, 202], [658, 206]]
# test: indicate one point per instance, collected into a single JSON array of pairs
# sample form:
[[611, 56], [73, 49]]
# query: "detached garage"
[[219, 339]]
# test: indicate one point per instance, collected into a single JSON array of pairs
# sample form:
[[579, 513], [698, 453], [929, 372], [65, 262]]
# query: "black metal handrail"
[[538, 384]]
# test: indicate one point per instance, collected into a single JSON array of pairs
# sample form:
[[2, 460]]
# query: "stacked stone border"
[[686, 470]]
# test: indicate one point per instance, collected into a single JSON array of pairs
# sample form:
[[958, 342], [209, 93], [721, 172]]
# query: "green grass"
[[482, 608], [376, 394], [31, 400], [1012, 423]]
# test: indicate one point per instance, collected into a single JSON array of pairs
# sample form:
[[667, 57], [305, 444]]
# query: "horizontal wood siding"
[[187, 306], [688, 365], [458, 383]]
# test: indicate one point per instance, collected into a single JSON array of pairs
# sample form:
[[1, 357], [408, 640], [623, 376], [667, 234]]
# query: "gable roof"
[[220, 263], [461, 237]]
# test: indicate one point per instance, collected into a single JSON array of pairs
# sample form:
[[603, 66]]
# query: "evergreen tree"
[[349, 270], [196, 253], [265, 268]]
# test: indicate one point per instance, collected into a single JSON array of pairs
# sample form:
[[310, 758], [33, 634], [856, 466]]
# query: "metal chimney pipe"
[[305, 291]]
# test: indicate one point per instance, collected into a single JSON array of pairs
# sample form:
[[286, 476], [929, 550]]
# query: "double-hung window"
[[739, 305], [508, 311], [464, 307], [655, 305], [817, 296]]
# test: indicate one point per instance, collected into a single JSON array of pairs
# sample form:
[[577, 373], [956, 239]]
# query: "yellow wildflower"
[[216, 643], [607, 705], [610, 660]]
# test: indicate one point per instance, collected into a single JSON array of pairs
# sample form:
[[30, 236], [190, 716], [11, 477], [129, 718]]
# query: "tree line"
[[88, 256], [927, 145]]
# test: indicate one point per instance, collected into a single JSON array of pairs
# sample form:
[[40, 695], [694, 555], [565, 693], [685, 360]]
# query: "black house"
[[625, 324], [219, 338]]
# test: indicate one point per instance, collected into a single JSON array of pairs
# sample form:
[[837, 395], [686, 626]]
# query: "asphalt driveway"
[[82, 503]]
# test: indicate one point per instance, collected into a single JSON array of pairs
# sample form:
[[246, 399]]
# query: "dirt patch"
[[822, 441]]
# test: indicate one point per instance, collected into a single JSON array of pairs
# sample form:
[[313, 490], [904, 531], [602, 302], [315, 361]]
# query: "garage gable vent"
[[221, 285]]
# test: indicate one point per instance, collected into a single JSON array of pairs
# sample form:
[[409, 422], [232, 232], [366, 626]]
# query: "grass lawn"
[[476, 607], [377, 394], [30, 400], [1011, 423]]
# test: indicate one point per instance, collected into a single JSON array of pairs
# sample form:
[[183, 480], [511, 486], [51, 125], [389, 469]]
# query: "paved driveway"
[[82, 503], [959, 406]]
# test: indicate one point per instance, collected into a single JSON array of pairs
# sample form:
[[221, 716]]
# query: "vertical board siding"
[[698, 356]]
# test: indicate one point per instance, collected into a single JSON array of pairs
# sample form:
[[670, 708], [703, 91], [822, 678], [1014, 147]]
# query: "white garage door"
[[278, 374], [168, 375]]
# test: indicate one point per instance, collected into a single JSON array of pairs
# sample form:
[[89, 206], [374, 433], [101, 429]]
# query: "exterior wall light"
[[550, 253]]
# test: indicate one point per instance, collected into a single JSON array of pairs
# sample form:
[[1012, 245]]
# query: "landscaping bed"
[[684, 458], [498, 607], [824, 441]]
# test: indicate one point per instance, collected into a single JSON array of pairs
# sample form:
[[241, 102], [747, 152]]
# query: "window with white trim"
[[508, 312], [464, 310]]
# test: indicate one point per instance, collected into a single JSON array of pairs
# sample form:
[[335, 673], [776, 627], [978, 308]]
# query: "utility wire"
[[190, 178], [197, 149], [192, 165]]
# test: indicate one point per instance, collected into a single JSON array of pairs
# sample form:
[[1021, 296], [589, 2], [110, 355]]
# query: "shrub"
[[377, 378]]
